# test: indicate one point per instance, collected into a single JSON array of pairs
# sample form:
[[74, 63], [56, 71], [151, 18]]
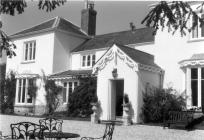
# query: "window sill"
[[24, 105], [86, 67], [27, 62], [195, 39]]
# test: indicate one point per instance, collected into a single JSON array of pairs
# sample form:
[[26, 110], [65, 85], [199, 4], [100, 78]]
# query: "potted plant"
[[95, 115]]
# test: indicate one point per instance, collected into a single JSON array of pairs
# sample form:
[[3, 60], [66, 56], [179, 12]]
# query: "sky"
[[112, 16]]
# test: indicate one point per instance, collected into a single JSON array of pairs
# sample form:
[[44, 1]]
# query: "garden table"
[[59, 135]]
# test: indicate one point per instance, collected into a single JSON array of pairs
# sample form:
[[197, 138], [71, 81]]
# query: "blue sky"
[[112, 16]]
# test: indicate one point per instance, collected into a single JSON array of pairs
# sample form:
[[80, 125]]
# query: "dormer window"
[[198, 31], [29, 51], [88, 60]]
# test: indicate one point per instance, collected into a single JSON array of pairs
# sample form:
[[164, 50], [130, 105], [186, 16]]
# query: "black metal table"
[[59, 135]]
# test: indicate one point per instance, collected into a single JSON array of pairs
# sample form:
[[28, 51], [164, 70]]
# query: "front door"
[[115, 99], [119, 97]]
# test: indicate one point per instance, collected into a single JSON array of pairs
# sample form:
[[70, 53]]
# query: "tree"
[[81, 98], [11, 7], [173, 15], [52, 99]]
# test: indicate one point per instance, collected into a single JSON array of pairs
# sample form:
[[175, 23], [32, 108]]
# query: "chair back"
[[25, 130], [108, 131], [51, 124]]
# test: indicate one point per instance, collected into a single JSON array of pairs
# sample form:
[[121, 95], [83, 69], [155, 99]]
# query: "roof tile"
[[125, 38]]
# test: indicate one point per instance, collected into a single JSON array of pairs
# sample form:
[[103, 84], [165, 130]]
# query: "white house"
[[136, 57]]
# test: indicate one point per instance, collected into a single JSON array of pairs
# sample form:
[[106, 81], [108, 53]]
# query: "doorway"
[[116, 91]]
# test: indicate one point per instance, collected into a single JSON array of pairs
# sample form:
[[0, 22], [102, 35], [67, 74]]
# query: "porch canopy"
[[123, 70], [70, 74]]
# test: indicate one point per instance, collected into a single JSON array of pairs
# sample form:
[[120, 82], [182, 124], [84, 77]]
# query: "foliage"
[[82, 97], [173, 15], [52, 95], [6, 44], [12, 6], [158, 102], [8, 90]]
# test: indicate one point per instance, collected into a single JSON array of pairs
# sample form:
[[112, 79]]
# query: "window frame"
[[198, 28], [23, 87], [85, 61], [67, 89], [29, 51]]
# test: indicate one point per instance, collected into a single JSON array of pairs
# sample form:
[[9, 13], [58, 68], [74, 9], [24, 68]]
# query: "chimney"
[[88, 18]]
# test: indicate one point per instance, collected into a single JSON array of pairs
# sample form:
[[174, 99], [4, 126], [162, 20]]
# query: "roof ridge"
[[75, 25], [32, 26], [124, 31], [56, 23]]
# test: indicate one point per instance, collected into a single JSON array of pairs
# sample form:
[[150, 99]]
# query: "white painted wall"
[[170, 49], [43, 57], [130, 86], [63, 45], [77, 57]]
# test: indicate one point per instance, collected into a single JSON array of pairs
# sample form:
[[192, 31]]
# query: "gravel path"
[[134, 132]]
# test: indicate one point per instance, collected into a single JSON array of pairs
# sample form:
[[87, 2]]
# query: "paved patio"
[[134, 132]]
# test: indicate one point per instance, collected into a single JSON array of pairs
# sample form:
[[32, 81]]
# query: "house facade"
[[124, 63], [41, 50]]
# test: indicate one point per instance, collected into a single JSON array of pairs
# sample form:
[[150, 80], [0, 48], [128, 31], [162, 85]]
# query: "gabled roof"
[[70, 73], [52, 24], [132, 57], [138, 56], [125, 38]]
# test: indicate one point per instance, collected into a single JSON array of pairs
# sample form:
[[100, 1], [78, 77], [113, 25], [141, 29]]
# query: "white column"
[[17, 85], [199, 87], [188, 87], [26, 90]]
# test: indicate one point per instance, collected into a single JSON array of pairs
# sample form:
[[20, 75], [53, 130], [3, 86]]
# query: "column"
[[188, 87], [199, 86], [17, 85]]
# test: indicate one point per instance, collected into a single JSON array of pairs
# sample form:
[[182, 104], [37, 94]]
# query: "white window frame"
[[86, 60], [21, 93], [27, 47], [191, 38], [67, 89]]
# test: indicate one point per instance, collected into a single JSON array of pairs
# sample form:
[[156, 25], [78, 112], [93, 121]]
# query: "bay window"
[[24, 90]]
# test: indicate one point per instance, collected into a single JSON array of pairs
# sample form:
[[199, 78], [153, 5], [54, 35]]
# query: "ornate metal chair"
[[25, 130], [108, 133], [51, 124]]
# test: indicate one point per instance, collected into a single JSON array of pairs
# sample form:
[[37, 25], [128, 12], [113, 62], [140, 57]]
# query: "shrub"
[[52, 95], [80, 99], [8, 90], [158, 102]]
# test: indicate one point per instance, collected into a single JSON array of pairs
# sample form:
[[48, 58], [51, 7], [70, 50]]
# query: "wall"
[[76, 57], [43, 61], [64, 44], [43, 57], [169, 50]]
